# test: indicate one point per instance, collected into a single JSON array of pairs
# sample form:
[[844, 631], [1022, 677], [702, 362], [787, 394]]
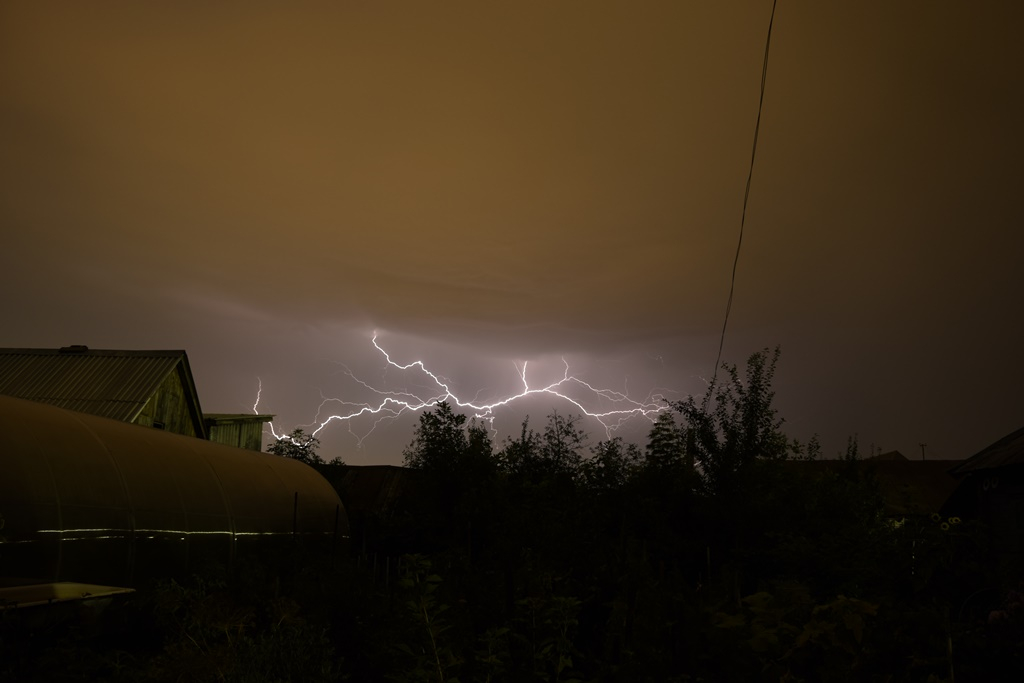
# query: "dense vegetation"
[[710, 554]]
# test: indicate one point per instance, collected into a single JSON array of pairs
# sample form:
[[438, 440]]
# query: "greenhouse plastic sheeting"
[[86, 498]]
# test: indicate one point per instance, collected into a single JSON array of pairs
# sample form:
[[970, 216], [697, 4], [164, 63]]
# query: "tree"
[[298, 446], [439, 441], [519, 456], [456, 456], [458, 467], [735, 426], [611, 465], [443, 444], [666, 445], [562, 444]]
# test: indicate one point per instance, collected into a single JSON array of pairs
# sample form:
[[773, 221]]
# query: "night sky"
[[266, 184]]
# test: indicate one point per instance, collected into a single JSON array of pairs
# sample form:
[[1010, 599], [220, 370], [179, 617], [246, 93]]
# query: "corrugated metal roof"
[[108, 383], [1009, 450]]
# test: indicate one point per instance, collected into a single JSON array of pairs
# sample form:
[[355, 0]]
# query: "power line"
[[746, 193]]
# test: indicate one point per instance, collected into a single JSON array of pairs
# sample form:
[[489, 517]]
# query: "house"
[[992, 489], [149, 388], [241, 430]]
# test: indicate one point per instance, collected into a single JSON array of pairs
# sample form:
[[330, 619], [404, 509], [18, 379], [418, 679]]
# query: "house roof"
[[886, 457], [231, 418], [103, 382], [1009, 450]]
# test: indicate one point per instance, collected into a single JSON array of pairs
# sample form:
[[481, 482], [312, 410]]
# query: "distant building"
[[908, 487], [377, 489], [912, 487], [149, 388], [243, 430], [380, 500]]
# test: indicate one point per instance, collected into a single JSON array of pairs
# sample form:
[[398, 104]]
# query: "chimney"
[[74, 348]]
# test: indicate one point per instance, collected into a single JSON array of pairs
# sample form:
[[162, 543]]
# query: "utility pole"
[[922, 445]]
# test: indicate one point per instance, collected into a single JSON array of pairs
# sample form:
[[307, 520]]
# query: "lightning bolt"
[[259, 393], [391, 404]]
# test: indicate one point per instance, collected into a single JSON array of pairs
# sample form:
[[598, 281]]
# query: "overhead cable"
[[746, 194]]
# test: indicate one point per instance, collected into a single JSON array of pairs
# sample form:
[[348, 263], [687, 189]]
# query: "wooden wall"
[[169, 409], [246, 434]]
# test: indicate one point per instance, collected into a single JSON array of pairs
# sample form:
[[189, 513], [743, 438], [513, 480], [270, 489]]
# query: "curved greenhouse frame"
[[86, 498]]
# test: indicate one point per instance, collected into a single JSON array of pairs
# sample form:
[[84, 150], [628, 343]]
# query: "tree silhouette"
[[735, 425], [439, 441], [666, 445], [458, 464], [298, 446], [562, 444], [611, 465]]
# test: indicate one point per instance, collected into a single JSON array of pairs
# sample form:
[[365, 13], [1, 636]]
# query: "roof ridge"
[[86, 352]]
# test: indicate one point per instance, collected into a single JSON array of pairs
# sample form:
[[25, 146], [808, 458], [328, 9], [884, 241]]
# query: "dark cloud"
[[266, 185]]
